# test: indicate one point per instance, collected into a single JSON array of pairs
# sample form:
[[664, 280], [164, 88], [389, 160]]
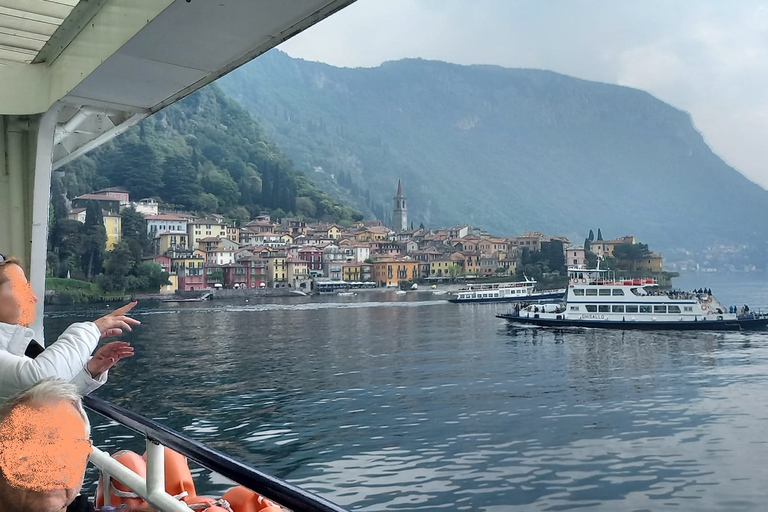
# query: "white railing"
[[151, 489]]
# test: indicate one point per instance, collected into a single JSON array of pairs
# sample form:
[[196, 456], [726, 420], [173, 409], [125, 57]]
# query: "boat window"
[[617, 309], [591, 308], [578, 291], [631, 309], [618, 291], [574, 308], [591, 291], [673, 309], [687, 308], [645, 309], [605, 291], [604, 308], [659, 309]]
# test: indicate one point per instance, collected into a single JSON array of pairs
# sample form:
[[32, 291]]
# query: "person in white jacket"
[[23, 362]]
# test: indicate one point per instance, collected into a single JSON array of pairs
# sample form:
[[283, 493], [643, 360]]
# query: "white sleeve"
[[86, 383], [64, 359]]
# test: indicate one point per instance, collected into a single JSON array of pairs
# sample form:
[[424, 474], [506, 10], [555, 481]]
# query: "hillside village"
[[203, 252]]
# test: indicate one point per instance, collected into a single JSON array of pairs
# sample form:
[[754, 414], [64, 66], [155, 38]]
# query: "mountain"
[[509, 150], [204, 154]]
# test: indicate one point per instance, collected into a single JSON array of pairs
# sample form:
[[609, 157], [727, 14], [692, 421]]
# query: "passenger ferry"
[[596, 298], [506, 292]]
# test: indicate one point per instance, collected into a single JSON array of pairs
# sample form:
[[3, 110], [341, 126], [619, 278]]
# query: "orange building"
[[392, 271]]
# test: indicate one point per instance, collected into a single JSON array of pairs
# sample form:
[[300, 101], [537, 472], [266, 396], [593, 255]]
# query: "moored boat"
[[507, 292], [596, 298]]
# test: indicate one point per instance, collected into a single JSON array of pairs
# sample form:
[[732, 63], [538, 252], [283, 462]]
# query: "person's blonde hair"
[[48, 389]]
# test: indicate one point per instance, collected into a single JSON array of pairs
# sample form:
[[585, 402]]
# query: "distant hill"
[[508, 150], [204, 154]]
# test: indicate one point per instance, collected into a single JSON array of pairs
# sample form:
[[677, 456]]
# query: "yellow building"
[[441, 267], [334, 232], [192, 263], [351, 272], [172, 286], [651, 263], [277, 267], [164, 242], [372, 234], [112, 224]]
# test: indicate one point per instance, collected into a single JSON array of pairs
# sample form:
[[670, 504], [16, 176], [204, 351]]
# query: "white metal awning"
[[27, 26]]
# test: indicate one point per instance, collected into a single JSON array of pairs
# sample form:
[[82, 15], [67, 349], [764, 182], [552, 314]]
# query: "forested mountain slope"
[[509, 150], [204, 154]]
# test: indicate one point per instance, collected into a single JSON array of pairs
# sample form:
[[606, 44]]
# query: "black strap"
[[81, 504], [34, 349]]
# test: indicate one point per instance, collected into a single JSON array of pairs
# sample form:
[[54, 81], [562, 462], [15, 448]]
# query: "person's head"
[[44, 448], [17, 301]]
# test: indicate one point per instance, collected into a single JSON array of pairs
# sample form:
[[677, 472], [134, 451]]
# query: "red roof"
[[98, 197]]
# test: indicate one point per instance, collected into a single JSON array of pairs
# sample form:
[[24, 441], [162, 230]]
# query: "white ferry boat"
[[506, 292], [596, 298]]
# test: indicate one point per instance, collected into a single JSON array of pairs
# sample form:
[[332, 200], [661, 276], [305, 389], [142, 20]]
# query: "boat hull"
[[739, 324], [525, 298]]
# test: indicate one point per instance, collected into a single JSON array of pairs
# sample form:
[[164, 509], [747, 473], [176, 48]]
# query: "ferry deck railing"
[[152, 488]]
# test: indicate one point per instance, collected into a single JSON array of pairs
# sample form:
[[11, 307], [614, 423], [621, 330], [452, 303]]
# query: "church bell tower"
[[400, 214]]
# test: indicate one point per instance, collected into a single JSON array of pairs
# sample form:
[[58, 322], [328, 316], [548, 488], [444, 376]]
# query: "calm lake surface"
[[387, 402]]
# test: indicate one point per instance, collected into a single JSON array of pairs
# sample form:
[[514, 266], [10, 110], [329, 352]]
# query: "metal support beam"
[[25, 183]]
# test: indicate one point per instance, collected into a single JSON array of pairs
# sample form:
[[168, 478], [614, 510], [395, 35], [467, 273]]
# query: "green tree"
[[180, 181], [137, 170], [58, 198], [553, 253], [599, 235], [134, 232], [94, 240], [591, 235], [630, 254], [151, 275], [67, 243], [119, 265], [591, 259]]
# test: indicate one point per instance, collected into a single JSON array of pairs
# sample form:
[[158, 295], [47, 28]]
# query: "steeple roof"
[[399, 188]]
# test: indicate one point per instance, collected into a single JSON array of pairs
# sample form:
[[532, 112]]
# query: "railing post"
[[155, 467], [106, 483]]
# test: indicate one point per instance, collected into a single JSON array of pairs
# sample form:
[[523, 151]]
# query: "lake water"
[[387, 402]]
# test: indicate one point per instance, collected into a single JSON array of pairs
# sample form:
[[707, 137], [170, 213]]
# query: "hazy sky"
[[707, 57]]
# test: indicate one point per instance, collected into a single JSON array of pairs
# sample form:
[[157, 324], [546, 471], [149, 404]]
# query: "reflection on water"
[[384, 402]]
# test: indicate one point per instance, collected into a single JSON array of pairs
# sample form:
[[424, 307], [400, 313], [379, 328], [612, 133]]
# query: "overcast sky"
[[708, 57]]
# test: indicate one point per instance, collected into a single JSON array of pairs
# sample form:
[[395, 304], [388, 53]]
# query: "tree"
[[180, 181], [58, 199], [138, 170], [94, 240], [306, 207], [134, 232], [631, 254], [599, 235], [151, 276], [591, 259], [553, 253], [66, 241], [133, 224], [591, 235], [119, 265]]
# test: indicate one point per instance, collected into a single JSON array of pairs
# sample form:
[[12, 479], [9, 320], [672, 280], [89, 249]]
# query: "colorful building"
[[112, 225], [392, 271]]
